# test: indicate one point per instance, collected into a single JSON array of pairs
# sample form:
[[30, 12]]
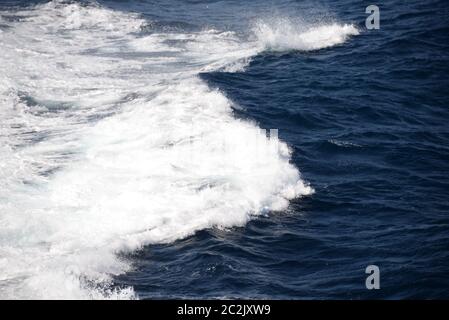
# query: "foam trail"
[[110, 141]]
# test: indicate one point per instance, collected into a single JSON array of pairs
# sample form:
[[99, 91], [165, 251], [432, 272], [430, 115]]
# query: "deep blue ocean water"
[[368, 124], [367, 121]]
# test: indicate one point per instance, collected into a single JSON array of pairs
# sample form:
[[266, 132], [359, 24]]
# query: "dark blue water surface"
[[368, 125]]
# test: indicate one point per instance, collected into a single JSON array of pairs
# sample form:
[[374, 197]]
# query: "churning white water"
[[110, 141]]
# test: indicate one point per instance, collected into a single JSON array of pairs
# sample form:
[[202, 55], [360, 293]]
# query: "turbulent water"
[[137, 161]]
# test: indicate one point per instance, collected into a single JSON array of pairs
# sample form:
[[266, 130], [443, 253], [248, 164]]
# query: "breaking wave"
[[110, 141], [283, 35]]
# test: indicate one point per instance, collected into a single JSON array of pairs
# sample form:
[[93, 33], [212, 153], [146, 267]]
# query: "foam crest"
[[283, 35]]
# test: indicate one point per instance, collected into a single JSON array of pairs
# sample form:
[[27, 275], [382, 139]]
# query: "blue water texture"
[[367, 121]]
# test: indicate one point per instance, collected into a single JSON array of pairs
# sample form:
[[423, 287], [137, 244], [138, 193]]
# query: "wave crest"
[[284, 35]]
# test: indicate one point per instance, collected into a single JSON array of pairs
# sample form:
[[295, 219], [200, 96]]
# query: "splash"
[[284, 35]]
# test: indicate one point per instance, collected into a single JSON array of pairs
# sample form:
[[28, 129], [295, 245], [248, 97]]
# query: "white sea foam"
[[283, 34], [109, 141]]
